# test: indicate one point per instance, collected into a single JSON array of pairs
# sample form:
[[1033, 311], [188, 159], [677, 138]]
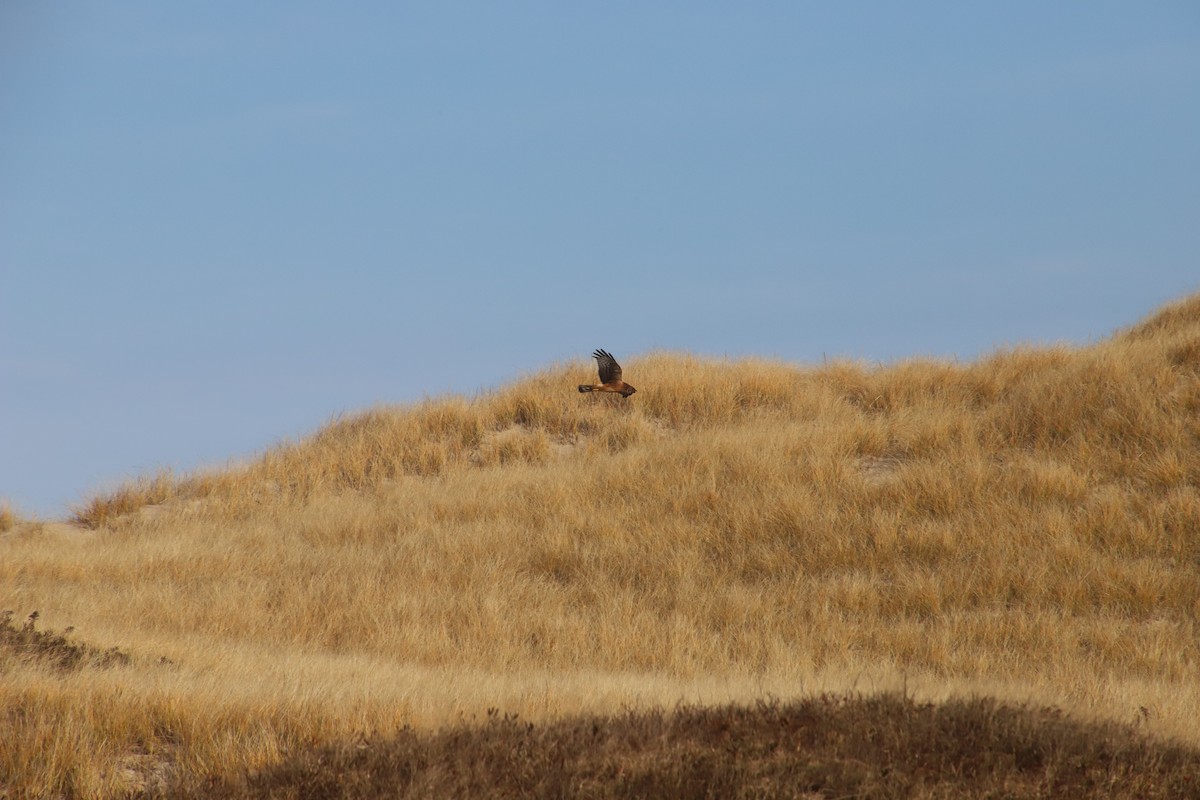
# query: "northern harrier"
[[610, 376]]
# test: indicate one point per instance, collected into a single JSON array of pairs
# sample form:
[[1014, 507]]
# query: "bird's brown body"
[[610, 376]]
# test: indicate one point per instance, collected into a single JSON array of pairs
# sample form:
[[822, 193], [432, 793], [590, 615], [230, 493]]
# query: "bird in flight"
[[610, 376]]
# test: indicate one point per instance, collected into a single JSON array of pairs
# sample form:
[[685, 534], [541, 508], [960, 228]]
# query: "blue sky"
[[221, 223]]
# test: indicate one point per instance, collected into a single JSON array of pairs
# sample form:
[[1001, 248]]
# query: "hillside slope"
[[1025, 525]]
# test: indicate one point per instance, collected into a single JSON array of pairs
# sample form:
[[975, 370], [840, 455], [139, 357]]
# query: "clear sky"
[[223, 223]]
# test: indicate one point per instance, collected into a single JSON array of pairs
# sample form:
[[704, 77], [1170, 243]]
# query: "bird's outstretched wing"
[[610, 370]]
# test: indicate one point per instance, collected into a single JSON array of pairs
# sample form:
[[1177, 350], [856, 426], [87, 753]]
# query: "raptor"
[[610, 376]]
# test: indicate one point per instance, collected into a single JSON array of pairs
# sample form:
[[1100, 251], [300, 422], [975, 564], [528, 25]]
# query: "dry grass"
[[27, 643], [838, 747], [1023, 526]]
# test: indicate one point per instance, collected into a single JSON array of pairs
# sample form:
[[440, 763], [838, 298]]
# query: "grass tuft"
[[26, 643]]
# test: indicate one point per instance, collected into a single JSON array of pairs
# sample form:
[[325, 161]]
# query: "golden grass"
[[1024, 526]]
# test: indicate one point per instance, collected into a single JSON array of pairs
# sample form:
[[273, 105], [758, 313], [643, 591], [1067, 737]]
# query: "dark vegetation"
[[26, 643], [884, 746]]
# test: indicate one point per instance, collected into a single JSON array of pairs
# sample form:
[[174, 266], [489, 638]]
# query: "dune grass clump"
[[8, 516], [28, 643], [132, 497]]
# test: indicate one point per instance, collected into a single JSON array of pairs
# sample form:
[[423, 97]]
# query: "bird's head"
[[628, 390]]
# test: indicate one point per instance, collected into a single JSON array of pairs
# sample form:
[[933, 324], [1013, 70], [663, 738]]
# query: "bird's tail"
[[583, 387]]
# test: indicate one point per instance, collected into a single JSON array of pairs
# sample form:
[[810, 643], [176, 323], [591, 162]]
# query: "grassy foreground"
[[1026, 526], [883, 747]]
